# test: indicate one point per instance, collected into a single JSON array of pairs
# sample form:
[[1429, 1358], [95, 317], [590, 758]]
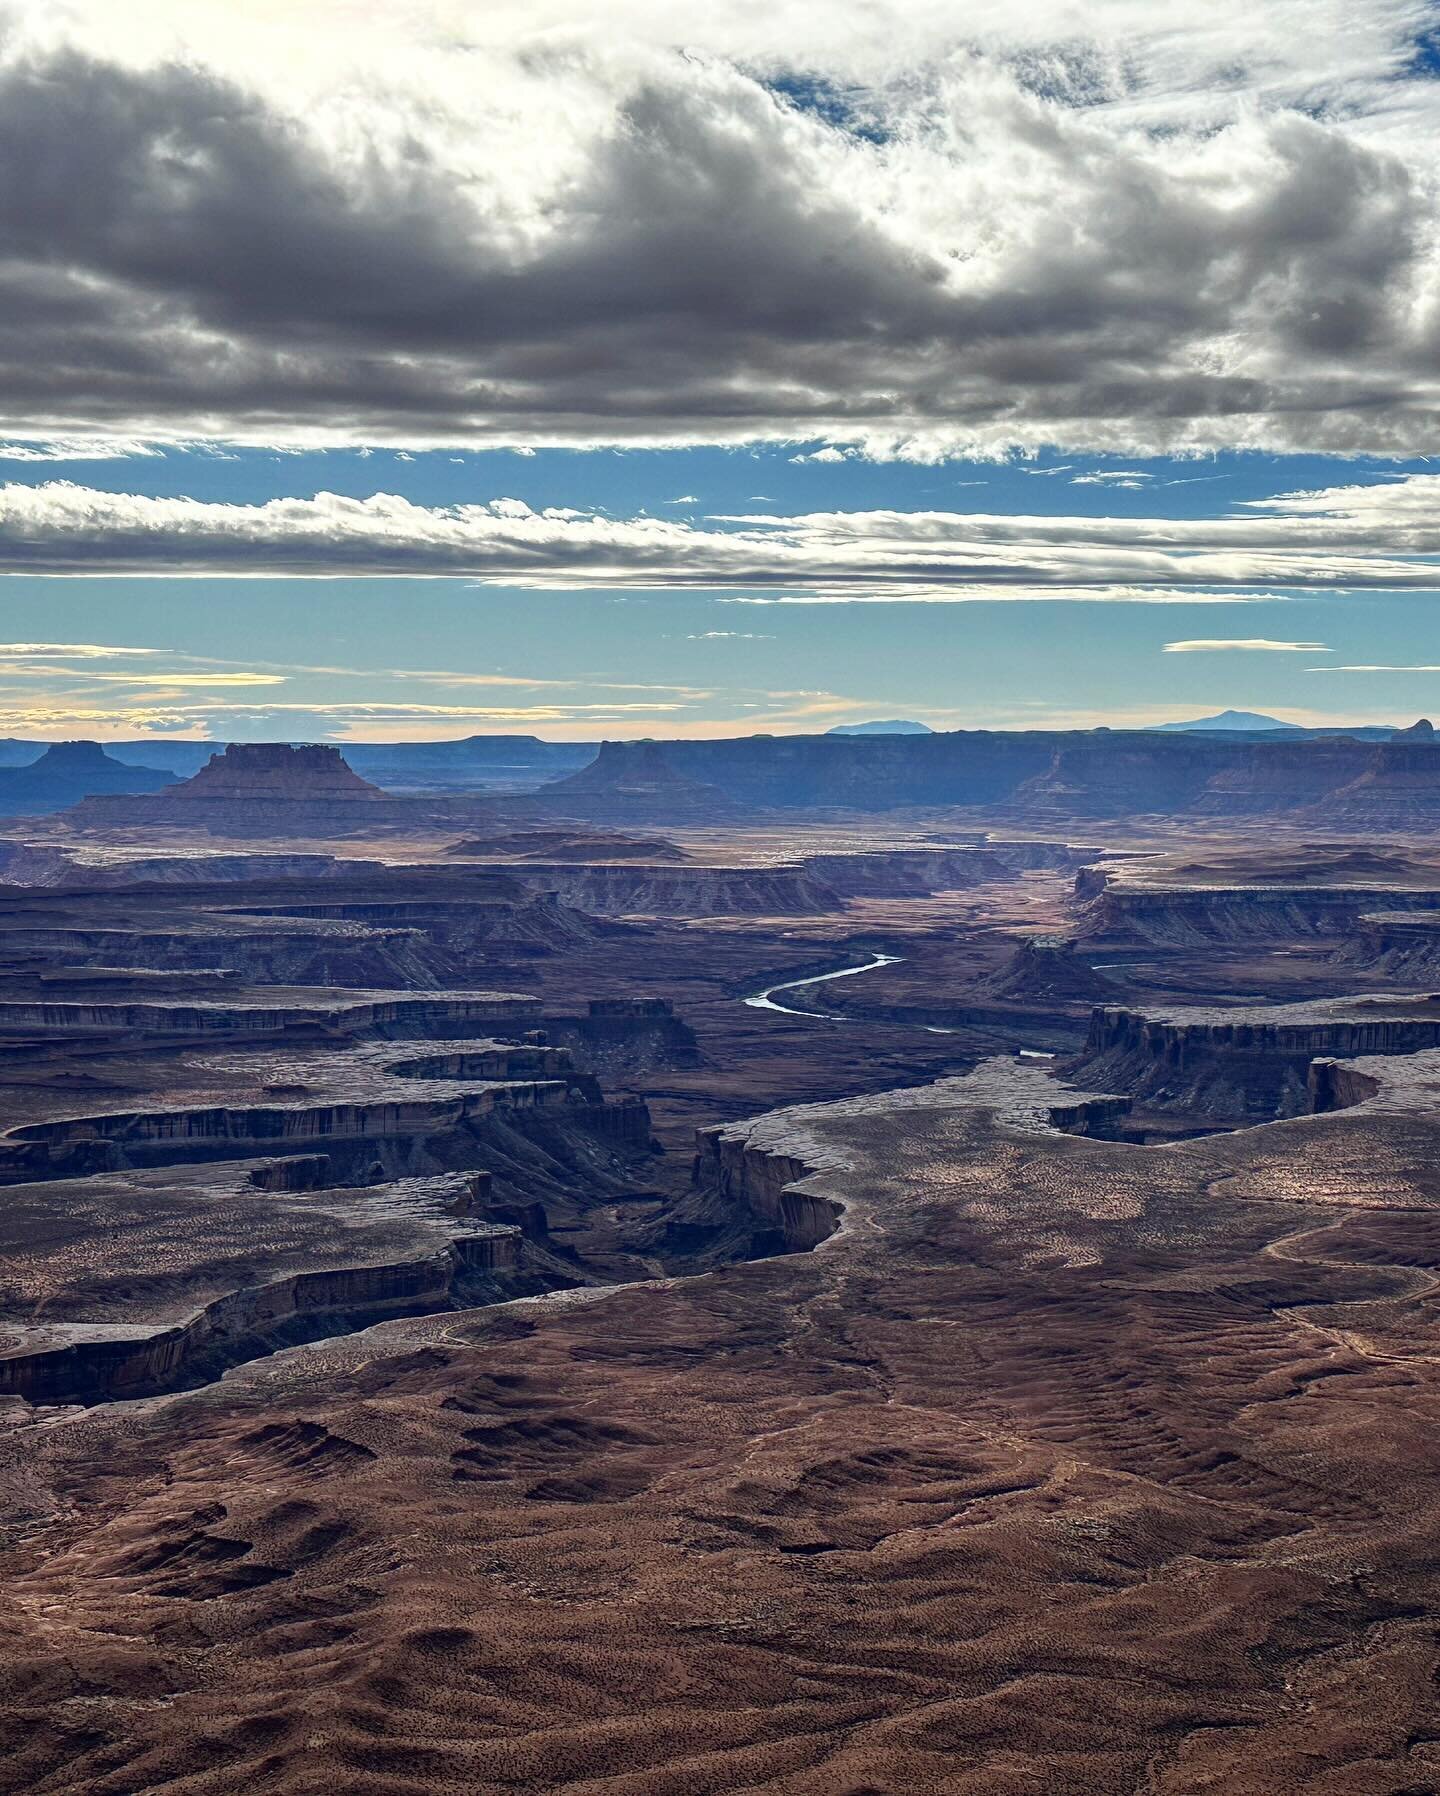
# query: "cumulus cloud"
[[923, 230], [1381, 537], [1198, 645]]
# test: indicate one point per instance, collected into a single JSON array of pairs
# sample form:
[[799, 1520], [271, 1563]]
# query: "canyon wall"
[[1244, 1063], [1191, 916], [1041, 774]]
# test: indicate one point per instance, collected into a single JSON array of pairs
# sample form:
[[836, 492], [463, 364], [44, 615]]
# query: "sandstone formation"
[[661, 889], [1058, 1465], [269, 789], [567, 845], [645, 789], [463, 1339], [68, 772], [1190, 915], [1039, 775], [1250, 1063], [1398, 945], [278, 772]]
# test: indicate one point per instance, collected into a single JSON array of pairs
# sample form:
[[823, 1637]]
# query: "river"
[[765, 1000]]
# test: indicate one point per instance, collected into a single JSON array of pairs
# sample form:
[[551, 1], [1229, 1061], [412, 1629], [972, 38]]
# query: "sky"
[[422, 369]]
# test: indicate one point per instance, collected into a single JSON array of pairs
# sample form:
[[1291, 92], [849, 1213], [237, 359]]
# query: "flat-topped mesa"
[[274, 789], [1191, 915], [276, 770], [401, 1016], [371, 1107], [89, 1312], [1039, 774], [1398, 790], [1252, 1061], [637, 784]]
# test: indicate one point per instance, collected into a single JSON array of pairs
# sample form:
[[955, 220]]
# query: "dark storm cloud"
[[700, 259]]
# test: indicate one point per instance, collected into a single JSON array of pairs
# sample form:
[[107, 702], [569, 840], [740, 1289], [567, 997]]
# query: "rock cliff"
[[1050, 776], [1247, 1063], [277, 771], [274, 790]]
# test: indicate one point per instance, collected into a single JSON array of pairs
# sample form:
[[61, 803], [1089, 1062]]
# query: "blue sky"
[[647, 662], [411, 370]]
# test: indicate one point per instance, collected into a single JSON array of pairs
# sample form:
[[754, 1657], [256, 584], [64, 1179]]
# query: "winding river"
[[766, 1000]]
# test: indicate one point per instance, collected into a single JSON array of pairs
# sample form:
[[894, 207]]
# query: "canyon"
[[794, 1265]]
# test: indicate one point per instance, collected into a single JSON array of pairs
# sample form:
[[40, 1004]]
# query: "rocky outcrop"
[[786, 888], [415, 1248], [366, 1104], [279, 772], [274, 790], [1190, 916], [1114, 775], [626, 1036], [429, 1016], [1337, 1085], [860, 772], [1049, 775], [1402, 946], [566, 845], [1398, 791], [92, 869], [68, 772], [95, 1365], [643, 788], [1052, 969], [1249, 1063], [1275, 777], [907, 872], [298, 952], [758, 1172]]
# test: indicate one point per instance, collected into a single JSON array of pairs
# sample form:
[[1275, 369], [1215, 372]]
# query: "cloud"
[[729, 636], [186, 679], [1383, 537], [684, 499], [1125, 229], [108, 448], [1378, 667], [1122, 477], [70, 651], [1257, 644]]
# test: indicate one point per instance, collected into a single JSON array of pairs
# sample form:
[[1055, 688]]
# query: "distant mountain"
[[1232, 720], [894, 726], [68, 772], [472, 764]]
